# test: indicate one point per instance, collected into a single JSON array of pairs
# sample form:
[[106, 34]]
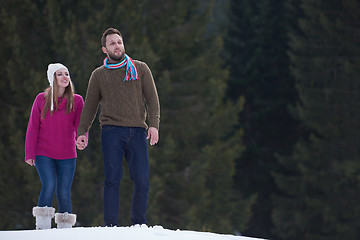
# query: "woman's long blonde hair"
[[68, 94]]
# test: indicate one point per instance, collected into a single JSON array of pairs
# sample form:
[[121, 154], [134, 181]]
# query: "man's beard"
[[115, 57]]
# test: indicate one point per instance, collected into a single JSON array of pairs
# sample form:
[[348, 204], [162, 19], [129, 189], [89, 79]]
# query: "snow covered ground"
[[127, 233]]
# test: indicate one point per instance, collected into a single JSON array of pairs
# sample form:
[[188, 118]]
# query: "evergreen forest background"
[[260, 102]]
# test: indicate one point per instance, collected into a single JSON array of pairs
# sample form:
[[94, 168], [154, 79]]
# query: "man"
[[126, 92]]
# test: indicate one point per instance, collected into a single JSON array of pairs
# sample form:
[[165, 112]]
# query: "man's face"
[[114, 47]]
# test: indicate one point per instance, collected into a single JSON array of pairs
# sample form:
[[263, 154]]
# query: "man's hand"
[[153, 134], [81, 142]]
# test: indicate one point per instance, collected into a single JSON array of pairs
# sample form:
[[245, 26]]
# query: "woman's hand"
[[31, 162]]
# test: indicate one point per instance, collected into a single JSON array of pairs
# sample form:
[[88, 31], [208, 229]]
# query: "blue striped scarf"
[[131, 70]]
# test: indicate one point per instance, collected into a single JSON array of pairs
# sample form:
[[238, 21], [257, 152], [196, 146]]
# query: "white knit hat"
[[52, 68]]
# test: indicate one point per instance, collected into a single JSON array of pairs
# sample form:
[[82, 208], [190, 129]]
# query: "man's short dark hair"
[[108, 32]]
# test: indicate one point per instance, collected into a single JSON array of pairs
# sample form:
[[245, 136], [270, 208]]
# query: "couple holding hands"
[[60, 121]]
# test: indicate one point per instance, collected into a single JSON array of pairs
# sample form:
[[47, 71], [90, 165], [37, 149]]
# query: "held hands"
[[81, 142], [153, 134]]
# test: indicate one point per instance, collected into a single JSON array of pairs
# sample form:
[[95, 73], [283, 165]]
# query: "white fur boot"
[[65, 220], [43, 217]]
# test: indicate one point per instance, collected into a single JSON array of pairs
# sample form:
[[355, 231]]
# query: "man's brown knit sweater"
[[122, 103]]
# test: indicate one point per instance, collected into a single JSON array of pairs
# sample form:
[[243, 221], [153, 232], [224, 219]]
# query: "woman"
[[50, 146]]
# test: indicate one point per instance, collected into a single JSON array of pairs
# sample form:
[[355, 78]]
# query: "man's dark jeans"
[[130, 142]]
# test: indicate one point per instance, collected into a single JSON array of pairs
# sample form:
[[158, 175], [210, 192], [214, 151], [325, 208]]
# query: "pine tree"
[[256, 51], [319, 196]]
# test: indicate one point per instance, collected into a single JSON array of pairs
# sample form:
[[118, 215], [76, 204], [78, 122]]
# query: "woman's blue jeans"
[[130, 142], [55, 175]]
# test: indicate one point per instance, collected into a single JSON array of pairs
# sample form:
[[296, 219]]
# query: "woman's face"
[[62, 78]]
